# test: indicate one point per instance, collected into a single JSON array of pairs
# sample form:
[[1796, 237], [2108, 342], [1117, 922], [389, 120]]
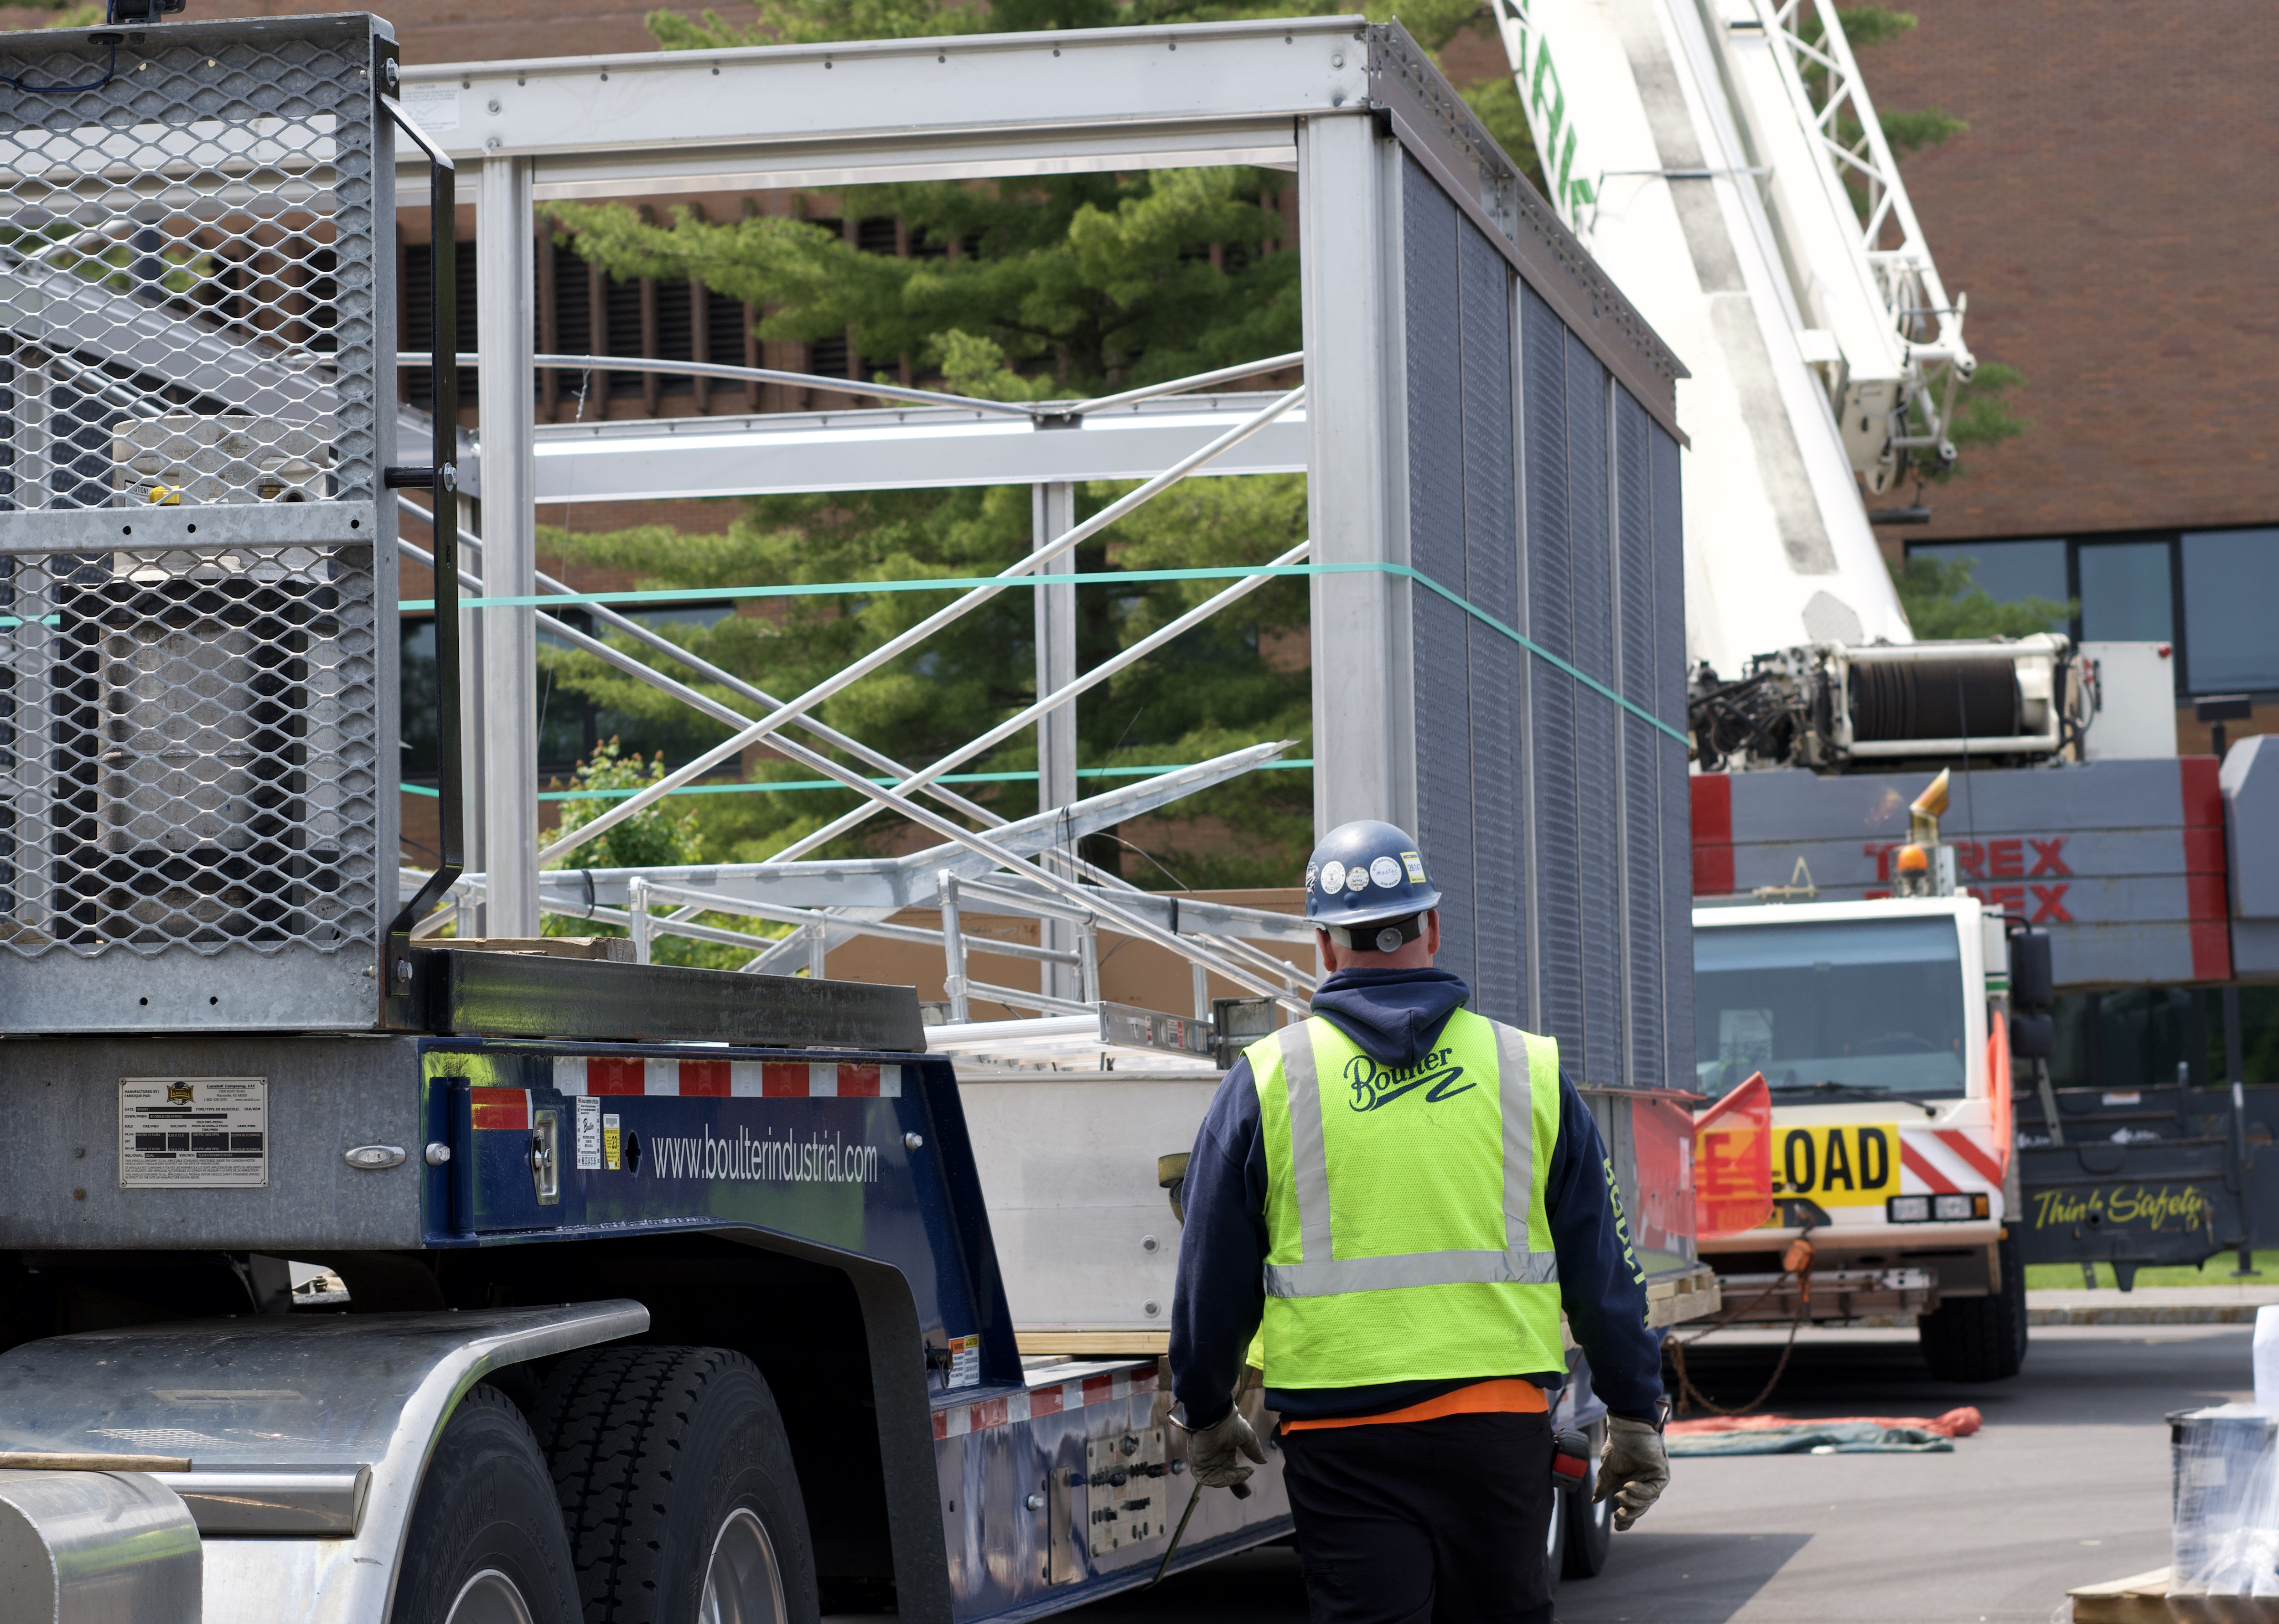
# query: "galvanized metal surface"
[[277, 1390], [308, 1501], [1043, 1470], [59, 1105], [96, 1548], [198, 592], [1363, 681], [516, 995], [900, 448], [1086, 1238]]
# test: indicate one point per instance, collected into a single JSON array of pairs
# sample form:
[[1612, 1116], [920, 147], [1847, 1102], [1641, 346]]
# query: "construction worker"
[[1396, 1197]]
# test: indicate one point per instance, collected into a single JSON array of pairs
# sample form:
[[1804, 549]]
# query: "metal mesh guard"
[[190, 242], [211, 730], [190, 720]]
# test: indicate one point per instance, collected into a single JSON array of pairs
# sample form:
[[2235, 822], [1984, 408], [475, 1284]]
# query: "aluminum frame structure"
[[1387, 156]]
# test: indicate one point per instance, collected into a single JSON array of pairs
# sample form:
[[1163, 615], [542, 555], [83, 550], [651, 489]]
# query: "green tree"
[[663, 835], [1942, 599]]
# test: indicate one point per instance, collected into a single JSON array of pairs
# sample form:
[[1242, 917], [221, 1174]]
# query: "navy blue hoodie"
[[1396, 1016]]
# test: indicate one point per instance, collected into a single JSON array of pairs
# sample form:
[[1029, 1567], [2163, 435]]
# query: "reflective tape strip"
[[578, 1075], [1321, 1273], [1310, 1158], [499, 1108], [1053, 1399], [1415, 1269], [1515, 1097], [1963, 1141], [705, 1079]]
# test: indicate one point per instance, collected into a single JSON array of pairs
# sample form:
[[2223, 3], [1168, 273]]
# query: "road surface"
[[2068, 1484]]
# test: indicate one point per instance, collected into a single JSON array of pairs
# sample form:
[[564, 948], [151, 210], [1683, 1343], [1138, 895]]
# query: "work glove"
[[1211, 1452], [1634, 1470]]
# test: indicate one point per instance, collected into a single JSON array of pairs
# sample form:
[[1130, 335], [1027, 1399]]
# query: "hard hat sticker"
[[1357, 878], [1416, 867], [1385, 872], [1334, 877]]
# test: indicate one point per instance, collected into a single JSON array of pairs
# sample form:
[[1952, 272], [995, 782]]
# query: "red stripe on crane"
[[1915, 1162], [1959, 1141]]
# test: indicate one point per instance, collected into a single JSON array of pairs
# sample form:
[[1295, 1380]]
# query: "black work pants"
[[1424, 1522]]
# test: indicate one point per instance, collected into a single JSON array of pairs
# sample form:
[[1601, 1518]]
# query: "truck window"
[[1837, 1007]]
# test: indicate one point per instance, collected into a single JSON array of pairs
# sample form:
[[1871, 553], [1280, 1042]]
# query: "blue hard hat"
[[1366, 873]]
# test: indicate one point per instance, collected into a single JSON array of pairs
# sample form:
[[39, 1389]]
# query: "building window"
[[2010, 570], [2124, 593], [2214, 595], [2231, 590]]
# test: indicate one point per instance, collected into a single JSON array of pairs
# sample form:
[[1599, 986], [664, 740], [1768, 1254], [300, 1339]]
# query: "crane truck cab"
[[1881, 1031]]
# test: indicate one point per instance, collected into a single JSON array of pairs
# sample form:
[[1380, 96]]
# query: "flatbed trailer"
[[496, 1202]]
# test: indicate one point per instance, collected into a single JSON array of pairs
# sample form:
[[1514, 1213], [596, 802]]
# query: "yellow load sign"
[[1848, 1164]]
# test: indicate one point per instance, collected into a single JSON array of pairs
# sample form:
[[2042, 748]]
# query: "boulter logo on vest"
[[1374, 1085]]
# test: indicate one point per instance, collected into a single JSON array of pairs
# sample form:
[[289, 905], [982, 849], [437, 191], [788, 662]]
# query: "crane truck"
[[1724, 160]]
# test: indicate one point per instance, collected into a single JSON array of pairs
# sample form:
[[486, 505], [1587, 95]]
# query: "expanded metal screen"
[[197, 595], [1543, 494]]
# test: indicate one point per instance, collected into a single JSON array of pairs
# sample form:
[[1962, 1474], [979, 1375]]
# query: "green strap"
[[966, 583], [772, 786]]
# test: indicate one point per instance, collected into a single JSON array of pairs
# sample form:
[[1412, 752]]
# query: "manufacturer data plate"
[[194, 1133]]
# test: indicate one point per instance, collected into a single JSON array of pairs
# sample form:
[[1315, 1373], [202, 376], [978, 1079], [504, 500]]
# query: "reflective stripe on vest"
[[1319, 1273]]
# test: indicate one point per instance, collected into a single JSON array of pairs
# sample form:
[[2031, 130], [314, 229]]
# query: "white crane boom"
[[1724, 163]]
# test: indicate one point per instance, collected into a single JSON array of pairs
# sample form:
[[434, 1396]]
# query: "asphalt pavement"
[[2068, 1484]]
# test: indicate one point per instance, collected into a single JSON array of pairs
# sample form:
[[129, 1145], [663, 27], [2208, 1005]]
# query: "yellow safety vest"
[[1406, 1236]]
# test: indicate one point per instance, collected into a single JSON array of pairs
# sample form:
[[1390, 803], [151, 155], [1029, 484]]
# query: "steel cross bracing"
[[660, 880], [935, 441]]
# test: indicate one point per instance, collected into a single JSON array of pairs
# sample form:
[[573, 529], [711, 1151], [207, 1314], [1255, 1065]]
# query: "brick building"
[[2114, 215]]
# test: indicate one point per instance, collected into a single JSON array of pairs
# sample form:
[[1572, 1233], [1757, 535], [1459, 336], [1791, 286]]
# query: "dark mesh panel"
[[1677, 802], [1491, 557], [1445, 740], [1637, 612], [1597, 742], [1551, 623]]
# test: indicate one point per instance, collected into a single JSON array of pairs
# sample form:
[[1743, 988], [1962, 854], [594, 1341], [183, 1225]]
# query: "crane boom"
[[1723, 162]]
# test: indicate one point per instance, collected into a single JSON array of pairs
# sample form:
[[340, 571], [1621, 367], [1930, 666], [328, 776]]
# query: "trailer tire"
[[1979, 1338], [1557, 1536], [485, 1542], [1590, 1523], [676, 1481]]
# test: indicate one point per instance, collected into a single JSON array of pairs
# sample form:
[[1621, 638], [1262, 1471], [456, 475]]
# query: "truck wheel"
[[485, 1543], [1979, 1338], [1590, 1523], [1555, 1539], [676, 1481]]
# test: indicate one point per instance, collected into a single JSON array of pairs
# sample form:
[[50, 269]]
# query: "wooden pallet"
[[2144, 1599], [1094, 1345]]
